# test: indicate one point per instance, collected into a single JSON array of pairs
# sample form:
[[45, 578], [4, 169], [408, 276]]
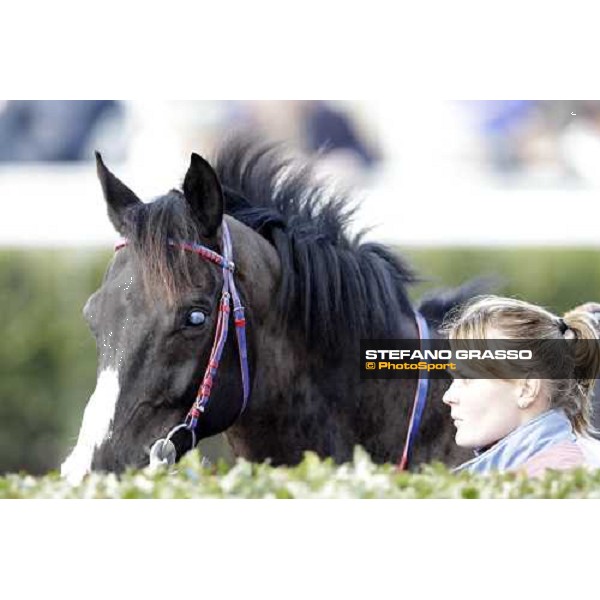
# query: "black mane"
[[335, 288]]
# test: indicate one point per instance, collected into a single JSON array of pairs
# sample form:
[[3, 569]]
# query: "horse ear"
[[204, 195], [118, 196]]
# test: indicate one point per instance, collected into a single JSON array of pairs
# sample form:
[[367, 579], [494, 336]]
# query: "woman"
[[527, 423]]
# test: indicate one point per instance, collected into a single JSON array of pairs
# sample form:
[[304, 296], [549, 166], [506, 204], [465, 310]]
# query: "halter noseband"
[[163, 450]]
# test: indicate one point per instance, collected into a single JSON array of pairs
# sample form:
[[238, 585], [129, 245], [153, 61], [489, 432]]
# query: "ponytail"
[[582, 324]]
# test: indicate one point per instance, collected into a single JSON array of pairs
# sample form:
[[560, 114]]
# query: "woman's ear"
[[530, 392]]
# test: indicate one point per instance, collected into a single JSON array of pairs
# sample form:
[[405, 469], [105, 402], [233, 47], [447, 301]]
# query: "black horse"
[[311, 293]]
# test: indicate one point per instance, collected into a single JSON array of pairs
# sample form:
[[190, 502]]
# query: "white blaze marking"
[[97, 419]]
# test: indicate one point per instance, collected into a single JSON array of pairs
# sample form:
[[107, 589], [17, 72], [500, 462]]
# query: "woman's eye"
[[195, 318]]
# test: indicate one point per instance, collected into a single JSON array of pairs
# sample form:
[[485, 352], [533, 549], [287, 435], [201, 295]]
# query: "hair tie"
[[562, 326]]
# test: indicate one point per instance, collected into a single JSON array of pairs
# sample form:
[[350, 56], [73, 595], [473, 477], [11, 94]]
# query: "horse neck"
[[299, 403], [280, 422]]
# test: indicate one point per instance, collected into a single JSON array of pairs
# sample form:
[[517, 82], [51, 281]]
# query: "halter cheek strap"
[[228, 294], [163, 450]]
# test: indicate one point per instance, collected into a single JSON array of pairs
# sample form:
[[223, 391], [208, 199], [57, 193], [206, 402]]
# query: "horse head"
[[154, 320]]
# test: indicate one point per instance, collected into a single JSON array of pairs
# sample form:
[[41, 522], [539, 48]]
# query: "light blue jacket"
[[542, 432]]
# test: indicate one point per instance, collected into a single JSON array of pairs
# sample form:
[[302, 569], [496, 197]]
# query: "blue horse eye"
[[195, 317]]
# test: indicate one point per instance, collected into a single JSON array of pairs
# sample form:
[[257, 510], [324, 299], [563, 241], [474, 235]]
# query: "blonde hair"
[[517, 319]]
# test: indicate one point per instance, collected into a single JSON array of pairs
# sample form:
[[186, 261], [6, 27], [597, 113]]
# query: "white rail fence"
[[63, 206]]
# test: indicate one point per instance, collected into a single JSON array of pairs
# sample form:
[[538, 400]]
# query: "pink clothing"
[[584, 452]]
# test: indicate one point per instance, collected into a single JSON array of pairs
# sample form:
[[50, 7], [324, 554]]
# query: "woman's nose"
[[448, 397]]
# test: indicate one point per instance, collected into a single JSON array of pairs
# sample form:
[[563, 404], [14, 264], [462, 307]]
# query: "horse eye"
[[195, 318]]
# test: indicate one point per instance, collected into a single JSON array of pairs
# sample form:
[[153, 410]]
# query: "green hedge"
[[47, 355], [557, 278], [313, 478], [48, 359]]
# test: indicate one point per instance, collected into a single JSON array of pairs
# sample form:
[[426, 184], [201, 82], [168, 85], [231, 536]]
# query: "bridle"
[[163, 451]]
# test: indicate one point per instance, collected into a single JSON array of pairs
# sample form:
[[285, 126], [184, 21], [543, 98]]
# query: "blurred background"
[[462, 189]]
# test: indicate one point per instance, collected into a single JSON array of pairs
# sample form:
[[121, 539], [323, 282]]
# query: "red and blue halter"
[[163, 451], [229, 294]]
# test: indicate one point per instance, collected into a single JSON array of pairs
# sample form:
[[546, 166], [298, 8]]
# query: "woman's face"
[[484, 410]]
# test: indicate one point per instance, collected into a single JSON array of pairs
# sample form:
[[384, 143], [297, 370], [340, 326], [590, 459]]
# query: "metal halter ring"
[[177, 428]]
